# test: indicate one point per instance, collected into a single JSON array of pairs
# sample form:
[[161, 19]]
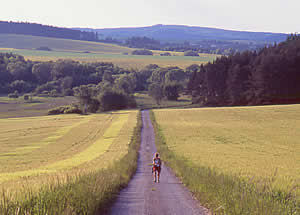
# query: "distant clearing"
[[39, 106], [91, 51], [144, 101], [258, 143]]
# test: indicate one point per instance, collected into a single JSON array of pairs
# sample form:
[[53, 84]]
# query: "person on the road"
[[156, 166]]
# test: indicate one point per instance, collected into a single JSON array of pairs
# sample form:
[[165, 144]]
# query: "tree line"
[[45, 31], [98, 85], [202, 46], [268, 76]]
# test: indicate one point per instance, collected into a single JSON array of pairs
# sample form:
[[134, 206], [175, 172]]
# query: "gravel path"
[[144, 197]]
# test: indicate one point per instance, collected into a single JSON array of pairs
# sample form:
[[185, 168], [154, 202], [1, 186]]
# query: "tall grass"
[[82, 194], [224, 193]]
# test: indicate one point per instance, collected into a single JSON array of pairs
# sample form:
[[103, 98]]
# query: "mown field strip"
[[258, 143], [95, 148], [48, 140]]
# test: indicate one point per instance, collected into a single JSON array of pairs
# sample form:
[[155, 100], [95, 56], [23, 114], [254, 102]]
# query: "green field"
[[39, 106], [72, 49], [17, 41], [34, 149], [256, 144]]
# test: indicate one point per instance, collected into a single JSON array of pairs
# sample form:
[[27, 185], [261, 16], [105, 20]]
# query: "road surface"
[[144, 197]]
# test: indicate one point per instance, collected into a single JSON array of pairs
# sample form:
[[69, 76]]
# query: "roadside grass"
[[221, 182], [90, 186]]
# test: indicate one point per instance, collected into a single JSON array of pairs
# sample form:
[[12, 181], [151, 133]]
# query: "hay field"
[[256, 143], [35, 151]]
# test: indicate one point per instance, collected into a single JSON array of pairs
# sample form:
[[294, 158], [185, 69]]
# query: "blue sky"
[[255, 15]]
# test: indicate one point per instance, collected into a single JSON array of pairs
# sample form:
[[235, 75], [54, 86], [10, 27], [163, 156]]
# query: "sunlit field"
[[257, 143], [125, 61], [35, 151]]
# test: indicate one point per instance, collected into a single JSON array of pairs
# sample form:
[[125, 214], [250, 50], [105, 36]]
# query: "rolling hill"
[[19, 41], [177, 33]]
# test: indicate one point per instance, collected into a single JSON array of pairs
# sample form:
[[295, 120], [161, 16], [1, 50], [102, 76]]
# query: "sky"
[[246, 15]]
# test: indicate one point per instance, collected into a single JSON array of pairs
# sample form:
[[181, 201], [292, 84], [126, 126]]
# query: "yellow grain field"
[[41, 150], [252, 142]]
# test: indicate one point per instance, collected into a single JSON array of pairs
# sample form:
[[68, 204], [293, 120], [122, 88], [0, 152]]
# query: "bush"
[[54, 93], [13, 95], [191, 53], [111, 100], [26, 97], [72, 109], [68, 109], [142, 52], [68, 92], [44, 48], [93, 105], [166, 54], [171, 91]]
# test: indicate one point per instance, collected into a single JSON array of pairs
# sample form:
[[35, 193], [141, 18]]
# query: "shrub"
[[54, 93], [166, 54], [68, 109], [93, 105], [44, 48], [111, 100], [26, 97], [171, 91], [191, 53], [72, 109], [142, 52], [13, 95], [68, 92]]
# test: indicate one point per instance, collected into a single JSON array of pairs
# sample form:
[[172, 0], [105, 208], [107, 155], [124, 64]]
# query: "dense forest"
[[204, 46], [269, 76], [45, 31]]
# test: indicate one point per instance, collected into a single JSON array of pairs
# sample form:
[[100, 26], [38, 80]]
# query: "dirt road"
[[144, 197]]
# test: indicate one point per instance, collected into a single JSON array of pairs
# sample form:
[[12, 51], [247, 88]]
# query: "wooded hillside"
[[270, 76], [45, 31]]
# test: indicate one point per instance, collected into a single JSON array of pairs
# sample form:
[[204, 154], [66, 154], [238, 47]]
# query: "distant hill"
[[34, 29], [180, 33], [18, 41]]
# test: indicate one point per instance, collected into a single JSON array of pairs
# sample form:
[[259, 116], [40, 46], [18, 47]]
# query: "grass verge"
[[226, 194], [91, 193]]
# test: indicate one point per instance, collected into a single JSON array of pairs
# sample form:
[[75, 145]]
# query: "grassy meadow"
[[257, 146], [85, 51], [27, 42], [125, 61], [39, 106], [43, 156]]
